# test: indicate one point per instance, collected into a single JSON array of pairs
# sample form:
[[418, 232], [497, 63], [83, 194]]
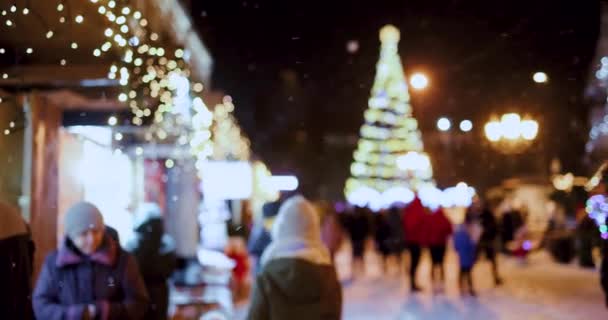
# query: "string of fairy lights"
[[151, 76], [228, 139]]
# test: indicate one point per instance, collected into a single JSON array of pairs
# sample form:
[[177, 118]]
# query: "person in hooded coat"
[[298, 280], [154, 252], [90, 276], [16, 261]]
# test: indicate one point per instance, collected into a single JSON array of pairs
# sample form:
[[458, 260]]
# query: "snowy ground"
[[541, 289]]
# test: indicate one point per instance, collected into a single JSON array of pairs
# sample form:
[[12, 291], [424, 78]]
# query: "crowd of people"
[[414, 228], [91, 276]]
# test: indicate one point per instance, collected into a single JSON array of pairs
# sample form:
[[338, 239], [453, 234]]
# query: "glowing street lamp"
[[466, 125], [444, 124], [419, 81], [540, 77], [511, 134]]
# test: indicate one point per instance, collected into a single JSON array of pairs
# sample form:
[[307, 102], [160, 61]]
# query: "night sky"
[[300, 94]]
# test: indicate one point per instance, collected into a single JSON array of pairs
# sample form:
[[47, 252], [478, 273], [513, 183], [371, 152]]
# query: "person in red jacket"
[[437, 231], [413, 220]]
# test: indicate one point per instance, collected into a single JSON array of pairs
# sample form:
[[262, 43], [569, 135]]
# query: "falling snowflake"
[[352, 46]]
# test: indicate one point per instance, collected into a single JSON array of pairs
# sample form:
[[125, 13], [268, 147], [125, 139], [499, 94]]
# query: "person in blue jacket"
[[465, 246]]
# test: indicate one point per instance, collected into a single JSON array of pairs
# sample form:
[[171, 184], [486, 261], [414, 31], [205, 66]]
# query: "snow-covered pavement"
[[541, 289]]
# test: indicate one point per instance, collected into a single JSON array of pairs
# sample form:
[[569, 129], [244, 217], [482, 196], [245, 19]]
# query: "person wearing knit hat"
[[84, 225], [90, 276], [297, 270]]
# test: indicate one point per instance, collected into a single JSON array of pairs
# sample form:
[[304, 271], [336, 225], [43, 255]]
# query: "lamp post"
[[511, 134]]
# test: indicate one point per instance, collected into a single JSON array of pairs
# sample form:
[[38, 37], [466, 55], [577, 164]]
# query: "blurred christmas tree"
[[390, 152]]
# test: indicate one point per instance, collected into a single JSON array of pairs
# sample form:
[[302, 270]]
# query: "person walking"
[[489, 235], [16, 262], [260, 237], [464, 244], [331, 231], [297, 280], [360, 229], [382, 236], [90, 276], [397, 237], [413, 220], [437, 231], [154, 252]]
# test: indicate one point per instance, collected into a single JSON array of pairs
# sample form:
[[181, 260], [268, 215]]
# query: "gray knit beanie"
[[80, 217]]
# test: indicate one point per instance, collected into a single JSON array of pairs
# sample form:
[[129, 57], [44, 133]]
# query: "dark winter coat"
[[155, 254], [16, 256], [465, 247], [382, 234], [511, 221], [295, 289], [109, 279], [394, 218], [490, 227], [260, 239]]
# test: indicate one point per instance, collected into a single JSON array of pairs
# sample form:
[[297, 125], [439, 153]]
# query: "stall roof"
[[38, 50]]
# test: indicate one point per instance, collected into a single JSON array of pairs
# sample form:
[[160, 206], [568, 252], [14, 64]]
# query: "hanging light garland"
[[152, 77], [229, 142]]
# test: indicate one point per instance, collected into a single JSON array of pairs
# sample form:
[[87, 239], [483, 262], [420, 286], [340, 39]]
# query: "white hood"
[[296, 233]]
